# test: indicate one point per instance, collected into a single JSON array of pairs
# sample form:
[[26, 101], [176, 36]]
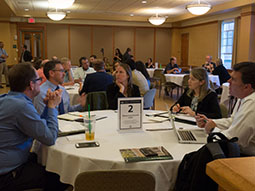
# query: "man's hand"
[[204, 122], [53, 99], [83, 99]]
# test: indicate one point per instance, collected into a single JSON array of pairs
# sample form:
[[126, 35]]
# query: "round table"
[[67, 161], [73, 93]]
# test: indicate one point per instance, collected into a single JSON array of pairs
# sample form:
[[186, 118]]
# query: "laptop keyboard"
[[187, 136]]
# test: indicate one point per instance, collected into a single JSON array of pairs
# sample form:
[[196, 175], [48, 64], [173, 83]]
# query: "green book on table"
[[145, 154]]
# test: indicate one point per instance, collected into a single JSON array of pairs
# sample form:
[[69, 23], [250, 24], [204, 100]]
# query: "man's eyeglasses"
[[37, 79], [61, 70]]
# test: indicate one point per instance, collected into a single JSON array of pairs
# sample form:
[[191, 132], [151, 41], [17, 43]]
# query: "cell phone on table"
[[87, 144]]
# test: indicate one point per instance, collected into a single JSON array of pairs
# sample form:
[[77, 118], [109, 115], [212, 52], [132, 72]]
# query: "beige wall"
[[203, 40], [75, 41], [80, 43], [57, 41], [163, 46], [144, 43], [7, 33]]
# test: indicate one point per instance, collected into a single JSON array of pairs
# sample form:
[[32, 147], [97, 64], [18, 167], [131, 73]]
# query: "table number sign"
[[130, 113]]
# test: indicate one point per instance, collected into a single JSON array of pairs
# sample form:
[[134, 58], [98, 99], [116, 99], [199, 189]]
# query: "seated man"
[[54, 72], [19, 125], [84, 69], [172, 67], [97, 81], [68, 78], [241, 124], [209, 65]]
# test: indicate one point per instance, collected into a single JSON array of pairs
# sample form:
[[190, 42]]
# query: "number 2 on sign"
[[130, 108]]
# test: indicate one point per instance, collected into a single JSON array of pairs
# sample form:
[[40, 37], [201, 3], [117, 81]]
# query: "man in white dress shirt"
[[241, 124], [84, 69]]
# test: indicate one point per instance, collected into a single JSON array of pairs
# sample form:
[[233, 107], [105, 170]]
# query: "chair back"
[[148, 98], [224, 111], [157, 73], [115, 180], [97, 101], [185, 83]]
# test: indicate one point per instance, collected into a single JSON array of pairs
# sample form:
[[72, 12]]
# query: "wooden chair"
[[115, 180], [156, 76], [97, 101], [167, 85]]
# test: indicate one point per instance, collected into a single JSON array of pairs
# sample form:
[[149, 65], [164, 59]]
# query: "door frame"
[[25, 27]]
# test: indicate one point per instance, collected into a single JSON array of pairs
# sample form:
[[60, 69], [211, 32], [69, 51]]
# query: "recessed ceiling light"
[[68, 11], [26, 9], [144, 2], [131, 14]]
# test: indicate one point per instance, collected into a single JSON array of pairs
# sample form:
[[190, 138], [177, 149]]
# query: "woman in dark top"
[[122, 87], [149, 64], [118, 56], [221, 71], [199, 98]]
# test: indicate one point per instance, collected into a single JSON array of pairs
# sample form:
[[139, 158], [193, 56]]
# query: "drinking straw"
[[89, 120]]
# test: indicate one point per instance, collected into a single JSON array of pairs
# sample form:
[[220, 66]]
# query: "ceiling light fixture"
[[198, 8], [144, 2], [157, 20], [61, 4], [55, 15]]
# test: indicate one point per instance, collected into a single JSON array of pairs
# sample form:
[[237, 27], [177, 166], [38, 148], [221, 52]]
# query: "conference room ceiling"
[[116, 10]]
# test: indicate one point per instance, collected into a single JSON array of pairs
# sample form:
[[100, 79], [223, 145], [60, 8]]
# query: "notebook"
[[189, 136]]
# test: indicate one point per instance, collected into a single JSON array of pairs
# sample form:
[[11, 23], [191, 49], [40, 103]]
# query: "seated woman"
[[149, 64], [122, 87], [199, 98], [221, 71], [140, 67]]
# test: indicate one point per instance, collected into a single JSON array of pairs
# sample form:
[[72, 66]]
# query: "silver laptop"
[[189, 136]]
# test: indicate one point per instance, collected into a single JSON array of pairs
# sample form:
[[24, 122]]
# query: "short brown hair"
[[20, 76]]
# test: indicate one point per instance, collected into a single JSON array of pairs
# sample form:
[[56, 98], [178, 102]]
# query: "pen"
[[101, 118]]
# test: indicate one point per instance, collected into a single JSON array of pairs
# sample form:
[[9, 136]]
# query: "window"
[[227, 39]]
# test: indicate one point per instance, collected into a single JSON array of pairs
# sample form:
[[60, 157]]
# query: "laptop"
[[191, 136]]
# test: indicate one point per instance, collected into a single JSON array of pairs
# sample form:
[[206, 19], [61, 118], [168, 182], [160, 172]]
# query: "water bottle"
[[156, 65]]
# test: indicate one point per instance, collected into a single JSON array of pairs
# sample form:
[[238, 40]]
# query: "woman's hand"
[[176, 108], [121, 86], [188, 110]]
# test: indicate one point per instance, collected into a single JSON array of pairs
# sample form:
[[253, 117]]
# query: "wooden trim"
[[113, 41], [154, 45], [134, 43], [69, 42], [196, 25], [45, 42], [91, 34], [250, 13]]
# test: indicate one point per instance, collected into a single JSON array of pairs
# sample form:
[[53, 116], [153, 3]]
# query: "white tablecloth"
[[225, 94], [178, 78], [151, 71], [73, 93], [67, 161]]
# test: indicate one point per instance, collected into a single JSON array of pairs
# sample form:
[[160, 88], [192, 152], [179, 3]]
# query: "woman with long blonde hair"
[[199, 98]]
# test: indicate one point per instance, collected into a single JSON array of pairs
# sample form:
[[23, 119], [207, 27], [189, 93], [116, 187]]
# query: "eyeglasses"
[[61, 70], [37, 79]]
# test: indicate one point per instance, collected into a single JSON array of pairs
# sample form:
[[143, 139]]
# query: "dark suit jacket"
[[97, 81], [222, 72], [209, 106], [113, 94], [27, 56]]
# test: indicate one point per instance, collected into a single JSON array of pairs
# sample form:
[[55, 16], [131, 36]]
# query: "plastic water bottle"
[[156, 65]]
